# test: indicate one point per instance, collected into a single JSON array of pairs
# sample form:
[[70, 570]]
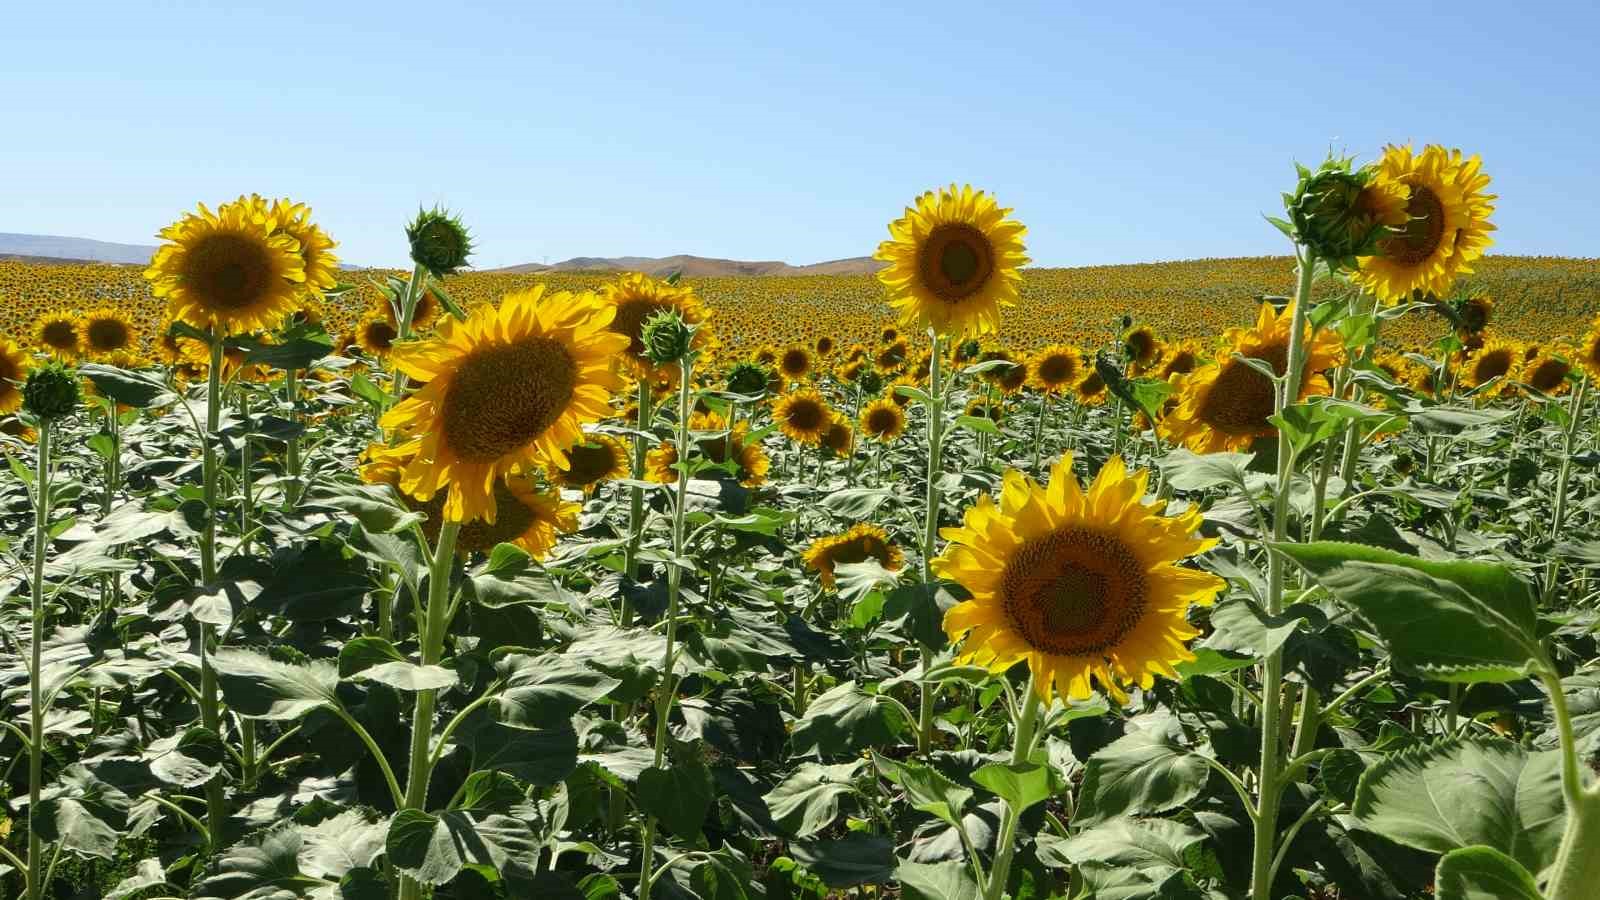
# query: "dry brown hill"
[[698, 266]]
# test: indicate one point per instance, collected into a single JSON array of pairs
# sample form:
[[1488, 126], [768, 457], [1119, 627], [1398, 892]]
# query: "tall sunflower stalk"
[[669, 339], [210, 472], [930, 530]]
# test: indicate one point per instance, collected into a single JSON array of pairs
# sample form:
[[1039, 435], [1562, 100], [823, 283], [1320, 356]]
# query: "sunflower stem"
[[408, 311], [930, 533], [41, 545], [1574, 415], [432, 634], [669, 688], [1026, 739], [630, 554], [291, 391], [1270, 787], [210, 703]]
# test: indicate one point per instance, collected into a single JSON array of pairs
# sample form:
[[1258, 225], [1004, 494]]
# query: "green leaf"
[[679, 796], [948, 880], [267, 868], [1142, 772], [433, 849], [979, 424], [1483, 873], [1188, 471], [852, 860], [847, 719], [855, 580], [808, 800], [315, 583], [542, 756], [1460, 620], [298, 353], [547, 690], [134, 389], [147, 874], [193, 758], [82, 813], [857, 503], [335, 846], [376, 507], [1240, 626], [1133, 843], [1458, 794], [262, 688], [1022, 785], [927, 788]]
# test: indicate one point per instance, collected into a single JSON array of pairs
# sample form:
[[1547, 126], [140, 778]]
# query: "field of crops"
[[1254, 578]]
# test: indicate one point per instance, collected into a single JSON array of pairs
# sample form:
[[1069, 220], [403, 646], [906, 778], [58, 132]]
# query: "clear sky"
[[1119, 132]]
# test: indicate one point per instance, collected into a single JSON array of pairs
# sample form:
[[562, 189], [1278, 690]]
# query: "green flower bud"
[[666, 337], [1331, 214], [747, 378], [51, 392], [439, 242], [871, 382]]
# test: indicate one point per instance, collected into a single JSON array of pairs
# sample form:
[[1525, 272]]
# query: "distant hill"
[[698, 266], [58, 248]]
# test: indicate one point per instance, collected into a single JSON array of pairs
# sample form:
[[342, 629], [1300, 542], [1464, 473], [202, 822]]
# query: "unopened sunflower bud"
[[666, 337], [747, 378], [1342, 213], [439, 242], [51, 392]]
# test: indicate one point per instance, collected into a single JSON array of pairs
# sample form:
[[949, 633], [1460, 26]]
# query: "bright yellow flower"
[[1447, 230], [232, 269], [859, 544]]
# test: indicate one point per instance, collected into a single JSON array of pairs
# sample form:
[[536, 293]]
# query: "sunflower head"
[[1055, 367], [635, 298], [51, 392], [981, 408], [439, 241], [823, 345], [859, 544], [840, 436], [1341, 212], [57, 334], [597, 459], [14, 366], [891, 356], [748, 378], [1588, 352], [1474, 313], [376, 334], [883, 420], [1180, 360], [1547, 372], [1084, 586], [1446, 229], [506, 391], [795, 363], [1140, 345], [233, 271], [659, 463], [953, 262], [105, 331], [316, 247], [803, 416], [1492, 362], [1090, 389], [667, 338]]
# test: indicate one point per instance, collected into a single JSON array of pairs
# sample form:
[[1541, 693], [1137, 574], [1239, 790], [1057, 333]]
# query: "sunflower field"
[[1260, 578]]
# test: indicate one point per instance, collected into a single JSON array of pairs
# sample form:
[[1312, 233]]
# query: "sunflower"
[[1589, 351], [734, 445], [57, 334], [376, 334], [1140, 345], [840, 437], [891, 356], [14, 366], [888, 335], [1055, 367], [1226, 405], [636, 297], [1494, 361], [104, 331], [506, 390], [1076, 583], [823, 345], [308, 310], [316, 248], [1090, 390], [883, 420], [859, 544], [600, 457], [1546, 372], [794, 363], [1448, 226], [803, 416], [953, 262], [1474, 313], [527, 518], [232, 270], [659, 462], [1181, 359], [980, 408]]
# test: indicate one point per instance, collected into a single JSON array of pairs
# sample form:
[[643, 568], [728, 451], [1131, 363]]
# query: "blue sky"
[[1119, 132]]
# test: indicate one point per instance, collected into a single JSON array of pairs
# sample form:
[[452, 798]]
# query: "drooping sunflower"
[[57, 334], [233, 269], [883, 420], [376, 334], [1090, 389], [1054, 368], [1547, 372], [1226, 405], [891, 356], [636, 297], [1079, 584], [794, 363], [859, 544], [803, 416], [599, 458], [14, 366], [105, 331], [1448, 226], [953, 262], [1494, 360], [506, 390]]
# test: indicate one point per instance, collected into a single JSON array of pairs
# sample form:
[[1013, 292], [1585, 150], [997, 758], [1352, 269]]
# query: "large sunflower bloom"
[[859, 544], [507, 390], [1226, 405], [14, 366], [1076, 583], [233, 269], [883, 420], [57, 334], [803, 416], [1496, 359], [1054, 368], [953, 262], [1448, 226], [105, 331]]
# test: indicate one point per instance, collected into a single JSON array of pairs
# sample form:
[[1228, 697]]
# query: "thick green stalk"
[[408, 310], [210, 702], [1038, 429], [246, 483], [930, 533], [668, 689], [1569, 440], [1270, 790], [1576, 871], [41, 544], [291, 390], [630, 554], [1021, 750], [433, 634]]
